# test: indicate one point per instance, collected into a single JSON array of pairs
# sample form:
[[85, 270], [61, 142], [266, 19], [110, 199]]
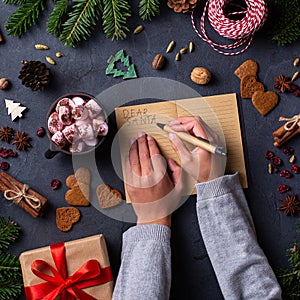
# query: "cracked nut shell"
[[158, 62], [4, 83], [200, 75]]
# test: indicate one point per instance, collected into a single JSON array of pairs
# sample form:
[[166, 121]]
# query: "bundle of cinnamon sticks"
[[286, 131], [19, 193]]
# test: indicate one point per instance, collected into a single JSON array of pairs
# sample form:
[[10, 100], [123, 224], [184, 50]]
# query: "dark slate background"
[[83, 69]]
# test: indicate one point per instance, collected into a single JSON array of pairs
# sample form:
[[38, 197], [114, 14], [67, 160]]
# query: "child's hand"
[[199, 163], [154, 194]]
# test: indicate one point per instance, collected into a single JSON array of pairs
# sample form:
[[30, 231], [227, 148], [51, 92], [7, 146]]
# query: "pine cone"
[[182, 5], [35, 75]]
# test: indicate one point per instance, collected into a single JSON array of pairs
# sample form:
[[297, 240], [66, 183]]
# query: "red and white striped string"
[[242, 31]]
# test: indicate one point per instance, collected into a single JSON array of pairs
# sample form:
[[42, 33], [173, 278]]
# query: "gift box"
[[78, 269]]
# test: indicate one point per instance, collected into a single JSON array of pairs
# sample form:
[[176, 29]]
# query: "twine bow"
[[18, 195], [291, 122]]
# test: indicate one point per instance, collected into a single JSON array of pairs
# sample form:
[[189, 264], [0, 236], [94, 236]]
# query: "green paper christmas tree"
[[113, 70]]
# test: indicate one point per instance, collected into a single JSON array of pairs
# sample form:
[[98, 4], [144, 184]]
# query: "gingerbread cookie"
[[79, 184], [108, 197], [249, 85], [66, 217], [264, 102], [249, 67]]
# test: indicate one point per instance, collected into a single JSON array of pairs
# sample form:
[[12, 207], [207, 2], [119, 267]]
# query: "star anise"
[[21, 140], [282, 83], [6, 134], [289, 205]]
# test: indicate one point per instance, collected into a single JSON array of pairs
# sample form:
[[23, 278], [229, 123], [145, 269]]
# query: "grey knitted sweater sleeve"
[[228, 232], [229, 236]]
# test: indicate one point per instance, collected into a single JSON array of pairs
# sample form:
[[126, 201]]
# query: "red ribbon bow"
[[69, 287]]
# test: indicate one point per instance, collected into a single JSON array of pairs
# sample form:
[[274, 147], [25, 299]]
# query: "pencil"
[[196, 141]]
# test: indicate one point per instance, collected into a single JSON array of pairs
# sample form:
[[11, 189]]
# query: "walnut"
[[200, 75], [4, 83]]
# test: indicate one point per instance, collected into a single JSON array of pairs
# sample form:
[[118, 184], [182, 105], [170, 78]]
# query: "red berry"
[[285, 174], [275, 160], [4, 165], [295, 169], [269, 154], [288, 150], [282, 188], [296, 93], [41, 132], [55, 184]]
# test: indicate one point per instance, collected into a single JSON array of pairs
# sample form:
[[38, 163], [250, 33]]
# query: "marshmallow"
[[54, 124], [91, 143], [93, 108], [79, 113], [85, 131], [59, 139], [64, 102], [78, 101], [70, 133], [100, 127], [77, 147], [64, 115]]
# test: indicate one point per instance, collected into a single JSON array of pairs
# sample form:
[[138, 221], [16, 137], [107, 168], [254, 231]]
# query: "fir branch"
[[9, 266], [115, 15], [55, 19], [289, 279], [24, 17], [148, 9], [10, 289], [9, 231], [82, 20], [287, 4], [16, 2]]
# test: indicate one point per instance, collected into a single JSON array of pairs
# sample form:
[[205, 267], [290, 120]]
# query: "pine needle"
[[10, 289], [286, 28], [9, 266], [9, 231], [115, 15], [82, 21], [149, 9], [16, 2], [24, 17], [55, 19]]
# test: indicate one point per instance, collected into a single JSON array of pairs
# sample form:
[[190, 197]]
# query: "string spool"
[[233, 21]]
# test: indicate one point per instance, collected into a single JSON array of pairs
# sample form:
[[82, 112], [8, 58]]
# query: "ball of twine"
[[232, 21]]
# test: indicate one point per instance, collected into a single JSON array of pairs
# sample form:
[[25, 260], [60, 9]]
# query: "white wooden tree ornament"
[[14, 109]]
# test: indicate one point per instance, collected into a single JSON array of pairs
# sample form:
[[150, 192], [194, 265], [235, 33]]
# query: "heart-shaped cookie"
[[264, 102], [79, 188], [108, 197], [249, 85], [248, 67], [66, 217]]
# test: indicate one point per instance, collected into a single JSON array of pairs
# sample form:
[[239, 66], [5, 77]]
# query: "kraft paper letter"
[[219, 112]]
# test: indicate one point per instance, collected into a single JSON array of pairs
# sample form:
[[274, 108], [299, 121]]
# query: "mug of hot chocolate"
[[76, 124]]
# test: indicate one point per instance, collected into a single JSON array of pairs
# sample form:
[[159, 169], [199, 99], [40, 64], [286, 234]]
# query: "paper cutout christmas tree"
[[112, 70], [14, 109]]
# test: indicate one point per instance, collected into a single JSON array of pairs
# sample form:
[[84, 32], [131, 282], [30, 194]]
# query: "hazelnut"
[[158, 62], [4, 83], [200, 75]]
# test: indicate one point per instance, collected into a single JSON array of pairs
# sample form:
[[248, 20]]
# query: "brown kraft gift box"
[[77, 253]]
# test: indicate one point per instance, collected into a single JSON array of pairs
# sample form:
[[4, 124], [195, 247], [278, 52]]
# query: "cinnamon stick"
[[279, 140], [7, 182]]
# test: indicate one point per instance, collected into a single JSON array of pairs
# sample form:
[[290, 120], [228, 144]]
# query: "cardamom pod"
[[58, 54], [178, 57], [138, 29], [292, 159], [50, 60], [41, 47], [183, 50], [296, 61], [191, 47], [170, 47], [270, 168], [295, 76]]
